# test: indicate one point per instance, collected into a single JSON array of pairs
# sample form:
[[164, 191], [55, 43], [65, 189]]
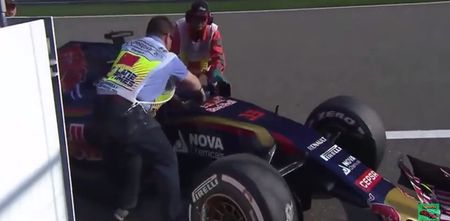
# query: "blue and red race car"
[[241, 162]]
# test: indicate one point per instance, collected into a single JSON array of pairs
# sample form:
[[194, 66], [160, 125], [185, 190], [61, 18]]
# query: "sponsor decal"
[[204, 188], [368, 180], [248, 196], [144, 47], [76, 132], [371, 198], [107, 85], [349, 164], [213, 143], [78, 147], [428, 212], [255, 211], [76, 93], [180, 145], [330, 153], [385, 211], [334, 114], [316, 143], [124, 76], [251, 114], [128, 59], [208, 153], [289, 211], [217, 103], [201, 140]]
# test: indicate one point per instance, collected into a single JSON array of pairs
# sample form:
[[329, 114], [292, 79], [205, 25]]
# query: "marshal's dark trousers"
[[129, 138]]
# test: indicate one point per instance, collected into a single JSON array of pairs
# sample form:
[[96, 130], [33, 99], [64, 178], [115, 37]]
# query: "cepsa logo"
[[368, 180]]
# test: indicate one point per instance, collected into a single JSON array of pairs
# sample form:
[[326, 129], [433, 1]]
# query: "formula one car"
[[241, 162]]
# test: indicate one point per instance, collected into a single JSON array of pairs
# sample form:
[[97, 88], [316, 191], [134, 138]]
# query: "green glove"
[[216, 76], [221, 85]]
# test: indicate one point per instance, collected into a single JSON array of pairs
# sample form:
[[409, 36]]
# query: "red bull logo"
[[72, 66]]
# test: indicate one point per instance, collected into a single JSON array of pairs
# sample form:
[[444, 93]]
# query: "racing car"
[[239, 161]]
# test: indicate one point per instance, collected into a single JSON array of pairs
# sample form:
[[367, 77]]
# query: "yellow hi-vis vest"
[[127, 77]]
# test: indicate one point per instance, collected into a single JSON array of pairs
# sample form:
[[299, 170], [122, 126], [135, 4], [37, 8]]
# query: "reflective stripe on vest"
[[195, 51]]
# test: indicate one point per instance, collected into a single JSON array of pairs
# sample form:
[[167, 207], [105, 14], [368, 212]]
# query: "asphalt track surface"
[[394, 58]]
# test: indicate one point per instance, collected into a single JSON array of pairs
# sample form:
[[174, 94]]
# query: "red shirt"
[[217, 56]]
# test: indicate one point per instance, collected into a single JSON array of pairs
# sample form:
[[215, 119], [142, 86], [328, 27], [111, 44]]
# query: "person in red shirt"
[[11, 8], [198, 42]]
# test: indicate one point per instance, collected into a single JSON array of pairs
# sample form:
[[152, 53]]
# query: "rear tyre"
[[242, 187], [353, 125]]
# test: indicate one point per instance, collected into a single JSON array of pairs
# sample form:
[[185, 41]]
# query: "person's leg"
[[162, 156], [165, 167], [122, 159], [131, 173]]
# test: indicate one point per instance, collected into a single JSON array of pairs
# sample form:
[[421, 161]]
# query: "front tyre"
[[352, 125], [242, 187]]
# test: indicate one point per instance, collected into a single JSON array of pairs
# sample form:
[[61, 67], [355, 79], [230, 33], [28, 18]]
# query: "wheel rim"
[[219, 207]]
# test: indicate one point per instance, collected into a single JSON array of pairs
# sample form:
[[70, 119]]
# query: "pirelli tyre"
[[353, 125], [242, 187]]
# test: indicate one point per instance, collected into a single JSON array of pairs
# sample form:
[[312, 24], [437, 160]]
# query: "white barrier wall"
[[31, 178]]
